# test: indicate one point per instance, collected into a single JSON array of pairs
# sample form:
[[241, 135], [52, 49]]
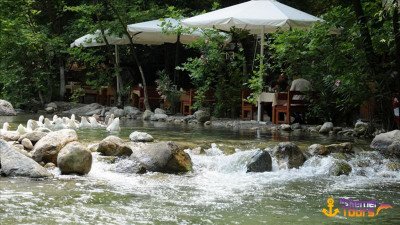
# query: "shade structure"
[[97, 39], [256, 16], [153, 33]]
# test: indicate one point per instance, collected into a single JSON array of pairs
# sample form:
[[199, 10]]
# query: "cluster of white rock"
[[46, 125]]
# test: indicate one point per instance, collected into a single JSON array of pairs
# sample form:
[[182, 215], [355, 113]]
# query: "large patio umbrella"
[[256, 16]]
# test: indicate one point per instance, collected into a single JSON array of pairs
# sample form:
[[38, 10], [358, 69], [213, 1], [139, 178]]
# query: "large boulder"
[[119, 113], [6, 109], [159, 111], [87, 110], [162, 157], [114, 146], [260, 162], [158, 117], [382, 141], [316, 149], [34, 136], [202, 116], [14, 163], [131, 112], [393, 150], [326, 127], [47, 148], [288, 155], [74, 158], [137, 136]]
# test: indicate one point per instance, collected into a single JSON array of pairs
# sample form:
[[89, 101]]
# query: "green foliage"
[[218, 72], [77, 94], [166, 89]]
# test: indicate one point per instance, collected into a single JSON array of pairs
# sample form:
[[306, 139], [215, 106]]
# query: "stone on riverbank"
[[382, 141], [260, 162], [74, 158], [9, 135], [392, 151], [137, 136], [14, 163], [162, 157], [288, 155], [6, 108], [114, 146], [326, 127], [147, 115], [202, 116], [27, 144], [87, 110], [47, 148]]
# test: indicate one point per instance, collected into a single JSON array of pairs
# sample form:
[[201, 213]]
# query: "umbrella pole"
[[261, 68], [117, 74]]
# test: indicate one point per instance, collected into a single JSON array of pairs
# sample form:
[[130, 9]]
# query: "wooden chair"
[[187, 100], [248, 109], [287, 103]]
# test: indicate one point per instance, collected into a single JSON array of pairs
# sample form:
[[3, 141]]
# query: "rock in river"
[[14, 163], [113, 146], [74, 158], [260, 162], [288, 154], [47, 148], [163, 157]]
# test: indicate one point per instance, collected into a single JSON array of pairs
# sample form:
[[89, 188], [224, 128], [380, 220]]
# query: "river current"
[[217, 191]]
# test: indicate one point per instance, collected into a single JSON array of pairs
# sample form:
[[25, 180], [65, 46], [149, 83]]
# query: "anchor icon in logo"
[[329, 213]]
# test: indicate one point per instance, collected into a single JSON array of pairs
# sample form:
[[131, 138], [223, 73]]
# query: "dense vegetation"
[[352, 58]]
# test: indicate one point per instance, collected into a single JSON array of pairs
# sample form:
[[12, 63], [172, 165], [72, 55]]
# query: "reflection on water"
[[218, 191]]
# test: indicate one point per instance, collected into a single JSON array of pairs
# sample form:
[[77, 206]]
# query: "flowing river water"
[[217, 191]]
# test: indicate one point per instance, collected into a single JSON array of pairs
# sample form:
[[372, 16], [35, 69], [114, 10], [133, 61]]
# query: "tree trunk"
[[62, 79], [365, 35], [132, 46]]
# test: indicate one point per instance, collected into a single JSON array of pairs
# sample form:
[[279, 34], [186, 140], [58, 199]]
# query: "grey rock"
[[296, 126], [27, 144], [345, 147], [162, 157], [382, 141], [114, 146], [207, 123], [14, 163], [86, 110], [285, 127], [137, 136], [159, 111], [260, 162], [326, 127], [147, 115], [119, 113], [74, 158], [131, 111], [316, 149], [129, 166], [34, 136], [50, 166], [6, 108], [202, 116], [158, 117], [287, 153], [47, 148], [49, 110], [93, 147], [393, 150]]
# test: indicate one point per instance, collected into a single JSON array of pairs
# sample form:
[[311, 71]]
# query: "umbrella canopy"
[[257, 16], [96, 39], [152, 32]]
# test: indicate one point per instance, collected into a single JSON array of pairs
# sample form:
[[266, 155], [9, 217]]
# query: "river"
[[217, 191]]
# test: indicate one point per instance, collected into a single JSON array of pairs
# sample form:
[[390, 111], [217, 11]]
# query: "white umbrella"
[[256, 16], [97, 39], [153, 32]]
